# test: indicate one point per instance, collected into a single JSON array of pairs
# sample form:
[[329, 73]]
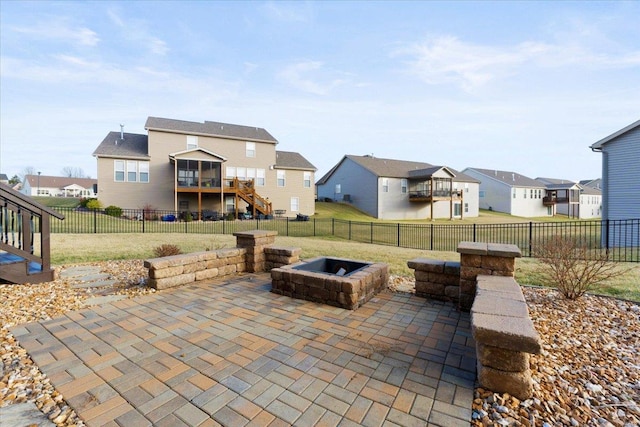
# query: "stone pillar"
[[476, 258], [254, 242]]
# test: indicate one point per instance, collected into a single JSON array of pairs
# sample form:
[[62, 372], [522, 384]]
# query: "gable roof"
[[558, 184], [185, 154], [292, 160], [598, 145], [58, 181], [392, 168], [592, 183], [509, 178], [3, 177], [134, 145], [224, 130]]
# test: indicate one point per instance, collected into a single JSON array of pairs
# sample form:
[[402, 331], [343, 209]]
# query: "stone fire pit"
[[339, 282]]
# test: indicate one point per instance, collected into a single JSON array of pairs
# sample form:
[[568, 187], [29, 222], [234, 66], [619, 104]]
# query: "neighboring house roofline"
[[597, 146], [393, 168], [517, 180], [292, 160], [210, 129]]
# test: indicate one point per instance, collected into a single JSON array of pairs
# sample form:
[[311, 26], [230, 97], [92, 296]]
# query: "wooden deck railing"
[[22, 219]]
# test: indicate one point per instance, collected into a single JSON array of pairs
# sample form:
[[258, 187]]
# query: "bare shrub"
[[166, 250], [568, 264], [149, 212]]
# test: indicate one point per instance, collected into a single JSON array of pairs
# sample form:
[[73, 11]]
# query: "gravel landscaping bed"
[[587, 374]]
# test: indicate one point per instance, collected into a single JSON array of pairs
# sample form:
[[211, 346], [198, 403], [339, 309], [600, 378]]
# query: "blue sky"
[[518, 86]]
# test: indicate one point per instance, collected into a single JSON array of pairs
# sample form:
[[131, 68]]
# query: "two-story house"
[[572, 199], [188, 166], [400, 189], [511, 193], [620, 183], [58, 186]]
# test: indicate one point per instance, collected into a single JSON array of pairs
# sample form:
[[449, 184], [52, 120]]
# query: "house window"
[[481, 194], [525, 193], [456, 209], [306, 183], [118, 168], [466, 208], [295, 204], [230, 172], [531, 193], [403, 186], [143, 169], [251, 174], [251, 149], [241, 173], [260, 177], [514, 193], [385, 185], [466, 188], [132, 171], [192, 142], [338, 188], [281, 178]]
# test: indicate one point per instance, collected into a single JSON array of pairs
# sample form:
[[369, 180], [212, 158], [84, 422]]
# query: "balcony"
[[427, 196]]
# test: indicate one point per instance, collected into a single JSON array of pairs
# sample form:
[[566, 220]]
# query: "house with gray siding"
[[621, 182], [512, 193], [400, 189]]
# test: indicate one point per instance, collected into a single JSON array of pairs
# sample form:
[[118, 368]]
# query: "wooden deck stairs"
[[22, 220], [246, 191]]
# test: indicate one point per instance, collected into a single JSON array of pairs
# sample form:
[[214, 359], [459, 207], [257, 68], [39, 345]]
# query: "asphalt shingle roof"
[[133, 145], [225, 130], [48, 181], [292, 160], [510, 178]]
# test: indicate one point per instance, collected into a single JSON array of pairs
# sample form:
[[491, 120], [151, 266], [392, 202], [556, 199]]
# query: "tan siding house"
[[194, 167]]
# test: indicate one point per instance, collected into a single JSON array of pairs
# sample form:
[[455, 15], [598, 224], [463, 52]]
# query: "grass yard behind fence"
[[79, 248]]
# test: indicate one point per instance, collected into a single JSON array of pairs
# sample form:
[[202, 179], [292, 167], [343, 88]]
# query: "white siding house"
[[621, 182], [400, 190], [511, 193]]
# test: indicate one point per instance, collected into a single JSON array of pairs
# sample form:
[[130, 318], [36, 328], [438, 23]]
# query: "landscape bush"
[[568, 264], [113, 211], [93, 204], [85, 201], [166, 250]]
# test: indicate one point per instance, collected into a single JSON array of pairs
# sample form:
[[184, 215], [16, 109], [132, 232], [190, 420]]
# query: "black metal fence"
[[620, 238]]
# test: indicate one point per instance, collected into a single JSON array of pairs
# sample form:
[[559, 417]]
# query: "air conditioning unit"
[[346, 198]]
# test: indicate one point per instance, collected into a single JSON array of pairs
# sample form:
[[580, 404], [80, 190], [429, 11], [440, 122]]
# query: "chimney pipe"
[[513, 176], [121, 131]]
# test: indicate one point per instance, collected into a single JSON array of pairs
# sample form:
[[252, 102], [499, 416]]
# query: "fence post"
[[95, 221], [314, 227], [431, 240], [349, 229], [474, 232], [371, 237], [530, 238], [287, 219], [333, 226], [606, 238], [398, 234], [143, 221]]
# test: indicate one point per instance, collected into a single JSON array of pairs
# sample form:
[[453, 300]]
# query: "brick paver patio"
[[230, 352]]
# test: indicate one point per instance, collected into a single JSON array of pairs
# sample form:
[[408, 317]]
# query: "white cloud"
[[62, 31], [288, 11], [449, 60], [309, 76]]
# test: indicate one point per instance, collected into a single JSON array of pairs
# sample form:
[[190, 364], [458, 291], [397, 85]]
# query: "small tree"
[[574, 269], [94, 204]]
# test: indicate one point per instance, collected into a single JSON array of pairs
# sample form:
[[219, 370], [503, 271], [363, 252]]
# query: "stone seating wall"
[[504, 336], [254, 252], [483, 283]]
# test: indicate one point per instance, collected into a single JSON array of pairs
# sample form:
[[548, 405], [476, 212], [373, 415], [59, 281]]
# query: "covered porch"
[[435, 184]]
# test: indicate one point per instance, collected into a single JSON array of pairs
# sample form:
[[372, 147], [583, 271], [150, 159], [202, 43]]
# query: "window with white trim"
[[338, 189], [306, 183], [250, 149], [403, 185], [118, 168], [260, 174], [295, 204], [466, 187], [192, 142], [132, 171], [514, 193], [241, 173], [385, 185], [281, 178], [143, 170]]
